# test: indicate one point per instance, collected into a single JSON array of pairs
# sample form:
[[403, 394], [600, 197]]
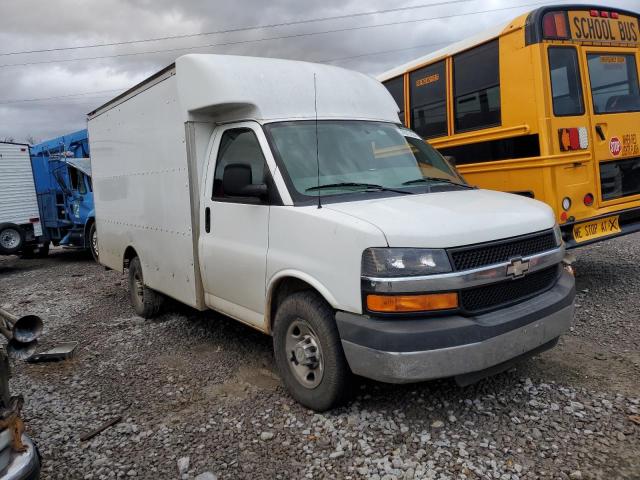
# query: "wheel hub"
[[10, 239], [305, 354]]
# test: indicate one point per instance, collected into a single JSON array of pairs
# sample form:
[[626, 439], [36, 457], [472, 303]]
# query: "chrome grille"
[[476, 256]]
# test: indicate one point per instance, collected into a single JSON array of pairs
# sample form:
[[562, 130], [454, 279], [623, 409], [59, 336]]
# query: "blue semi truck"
[[62, 175]]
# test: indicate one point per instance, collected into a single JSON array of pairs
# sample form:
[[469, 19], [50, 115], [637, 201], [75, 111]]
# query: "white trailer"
[[19, 214], [288, 196]]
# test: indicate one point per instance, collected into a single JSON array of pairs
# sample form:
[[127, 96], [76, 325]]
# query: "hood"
[[450, 219]]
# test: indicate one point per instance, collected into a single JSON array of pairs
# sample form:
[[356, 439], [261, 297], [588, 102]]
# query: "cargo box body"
[[18, 199], [142, 188]]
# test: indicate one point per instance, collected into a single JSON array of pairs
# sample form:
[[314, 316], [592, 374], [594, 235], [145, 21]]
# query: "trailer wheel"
[[11, 238], [92, 241], [308, 352], [146, 302]]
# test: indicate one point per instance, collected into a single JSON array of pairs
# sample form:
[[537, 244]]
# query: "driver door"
[[234, 236]]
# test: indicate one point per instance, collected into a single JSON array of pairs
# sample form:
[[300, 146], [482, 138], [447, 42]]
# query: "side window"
[[73, 177], [476, 89], [396, 89], [566, 88], [82, 186], [241, 156], [428, 97]]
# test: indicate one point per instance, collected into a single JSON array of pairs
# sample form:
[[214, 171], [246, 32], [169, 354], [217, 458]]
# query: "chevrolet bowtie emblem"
[[517, 268]]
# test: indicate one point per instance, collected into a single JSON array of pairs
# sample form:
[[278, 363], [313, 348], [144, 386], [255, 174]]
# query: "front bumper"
[[416, 349], [22, 466]]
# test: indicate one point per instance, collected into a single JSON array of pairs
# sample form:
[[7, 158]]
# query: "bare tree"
[[31, 140], [9, 139]]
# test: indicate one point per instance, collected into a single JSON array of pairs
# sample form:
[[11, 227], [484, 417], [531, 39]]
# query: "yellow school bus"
[[546, 106]]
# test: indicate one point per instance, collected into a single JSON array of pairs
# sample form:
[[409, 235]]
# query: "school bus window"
[[396, 89], [476, 76], [428, 101], [614, 82], [566, 87]]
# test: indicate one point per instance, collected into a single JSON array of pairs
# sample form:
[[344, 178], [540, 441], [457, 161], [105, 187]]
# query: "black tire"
[[146, 302], [11, 238], [92, 241], [43, 250], [334, 388]]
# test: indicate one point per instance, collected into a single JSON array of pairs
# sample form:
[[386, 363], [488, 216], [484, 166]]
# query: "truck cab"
[[287, 196], [62, 173]]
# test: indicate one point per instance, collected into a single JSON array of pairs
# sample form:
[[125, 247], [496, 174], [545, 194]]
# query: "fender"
[[291, 273]]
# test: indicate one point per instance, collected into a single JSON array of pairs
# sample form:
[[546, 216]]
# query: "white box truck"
[[287, 195], [20, 225]]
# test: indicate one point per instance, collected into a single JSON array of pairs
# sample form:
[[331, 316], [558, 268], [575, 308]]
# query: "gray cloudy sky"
[[48, 24]]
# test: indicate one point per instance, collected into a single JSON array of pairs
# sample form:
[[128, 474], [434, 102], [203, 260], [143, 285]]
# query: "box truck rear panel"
[[18, 200]]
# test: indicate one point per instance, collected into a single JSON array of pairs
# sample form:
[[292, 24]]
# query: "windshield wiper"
[[436, 180], [366, 186]]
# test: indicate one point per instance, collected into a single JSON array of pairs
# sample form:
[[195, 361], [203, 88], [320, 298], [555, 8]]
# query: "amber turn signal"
[[412, 303]]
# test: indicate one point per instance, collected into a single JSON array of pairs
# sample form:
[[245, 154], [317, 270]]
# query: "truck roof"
[[229, 87]]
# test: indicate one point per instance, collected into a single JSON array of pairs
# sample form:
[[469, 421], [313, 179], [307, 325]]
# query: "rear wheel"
[[43, 250], [308, 352], [146, 302], [11, 238]]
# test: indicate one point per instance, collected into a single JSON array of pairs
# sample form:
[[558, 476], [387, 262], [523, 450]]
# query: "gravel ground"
[[199, 398]]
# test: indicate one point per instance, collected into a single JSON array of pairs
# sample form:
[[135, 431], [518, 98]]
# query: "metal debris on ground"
[[60, 352]]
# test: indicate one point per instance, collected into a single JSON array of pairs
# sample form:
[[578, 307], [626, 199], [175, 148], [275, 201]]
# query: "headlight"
[[403, 262], [558, 234]]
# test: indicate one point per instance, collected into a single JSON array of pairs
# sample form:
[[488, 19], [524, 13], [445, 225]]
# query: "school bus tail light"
[[412, 303], [573, 139], [588, 199], [554, 26]]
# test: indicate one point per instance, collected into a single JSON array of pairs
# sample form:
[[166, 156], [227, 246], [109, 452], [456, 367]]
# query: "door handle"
[[600, 132], [207, 219]]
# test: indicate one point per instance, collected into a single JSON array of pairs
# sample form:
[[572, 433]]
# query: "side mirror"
[[451, 159], [237, 182]]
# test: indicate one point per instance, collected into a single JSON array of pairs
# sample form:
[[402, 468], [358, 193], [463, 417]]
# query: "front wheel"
[[146, 302], [92, 240], [308, 352]]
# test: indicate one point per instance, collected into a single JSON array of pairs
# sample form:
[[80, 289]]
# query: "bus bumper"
[[404, 350], [629, 221]]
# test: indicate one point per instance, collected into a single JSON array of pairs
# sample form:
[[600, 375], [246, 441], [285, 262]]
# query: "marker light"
[[554, 25], [593, 13], [412, 303], [614, 15], [566, 203], [604, 14], [588, 199], [563, 217]]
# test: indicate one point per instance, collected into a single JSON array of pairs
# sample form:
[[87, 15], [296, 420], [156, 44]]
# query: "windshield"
[[356, 157], [614, 83]]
